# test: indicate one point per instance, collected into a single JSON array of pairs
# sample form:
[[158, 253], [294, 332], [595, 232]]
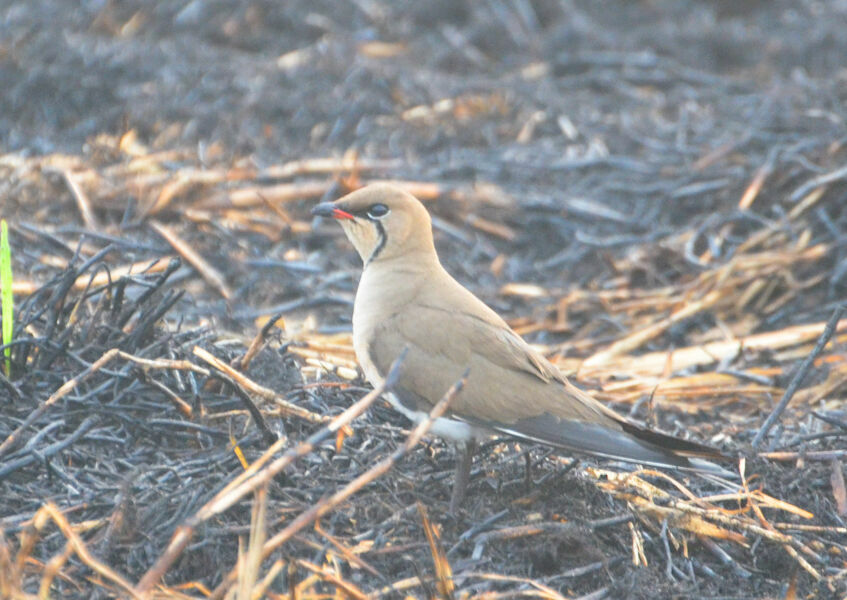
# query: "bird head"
[[382, 221]]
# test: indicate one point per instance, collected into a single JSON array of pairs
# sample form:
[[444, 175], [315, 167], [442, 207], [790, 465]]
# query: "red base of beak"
[[328, 209], [337, 213]]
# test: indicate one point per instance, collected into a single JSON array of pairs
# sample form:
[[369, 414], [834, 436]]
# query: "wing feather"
[[513, 389], [508, 380]]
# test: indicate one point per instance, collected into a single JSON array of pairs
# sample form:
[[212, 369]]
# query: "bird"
[[406, 300]]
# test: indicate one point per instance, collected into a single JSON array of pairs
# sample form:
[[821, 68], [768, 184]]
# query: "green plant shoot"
[[6, 301]]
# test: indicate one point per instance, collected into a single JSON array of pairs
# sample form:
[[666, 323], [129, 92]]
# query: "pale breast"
[[365, 320], [369, 311]]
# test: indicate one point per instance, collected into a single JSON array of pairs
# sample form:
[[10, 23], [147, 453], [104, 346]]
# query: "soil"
[[580, 149]]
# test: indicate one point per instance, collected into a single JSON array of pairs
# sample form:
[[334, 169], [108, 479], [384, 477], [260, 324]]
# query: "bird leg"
[[528, 472], [463, 473]]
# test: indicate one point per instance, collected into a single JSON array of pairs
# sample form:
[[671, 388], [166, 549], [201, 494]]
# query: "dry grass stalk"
[[830, 328], [443, 571], [423, 190], [255, 477], [329, 165], [100, 278], [752, 191], [181, 184], [276, 194], [329, 575], [254, 388], [53, 568], [10, 575], [250, 563], [378, 470], [703, 518], [657, 363], [349, 554], [256, 344], [82, 202], [824, 455], [63, 390], [769, 269], [331, 359], [212, 276], [637, 339], [51, 511], [838, 488]]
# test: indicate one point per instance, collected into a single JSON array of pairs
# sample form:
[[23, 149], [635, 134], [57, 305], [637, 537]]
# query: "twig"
[[477, 529], [54, 448], [251, 386], [252, 560], [814, 455], [82, 202], [838, 489], [552, 527], [212, 276], [165, 363], [82, 551], [640, 337], [53, 568], [762, 173], [325, 573], [667, 547], [9, 385], [256, 476], [281, 193], [723, 556], [268, 436], [595, 595], [256, 344], [443, 571], [589, 568], [179, 185], [327, 504], [105, 277], [334, 165], [659, 362], [815, 182], [350, 556], [799, 375], [536, 589], [56, 396]]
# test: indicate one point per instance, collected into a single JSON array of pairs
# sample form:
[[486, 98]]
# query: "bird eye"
[[377, 211]]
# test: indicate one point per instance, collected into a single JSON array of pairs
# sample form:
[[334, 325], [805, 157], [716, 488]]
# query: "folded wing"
[[514, 390]]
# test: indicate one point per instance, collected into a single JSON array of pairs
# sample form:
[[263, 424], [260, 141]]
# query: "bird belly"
[[453, 430]]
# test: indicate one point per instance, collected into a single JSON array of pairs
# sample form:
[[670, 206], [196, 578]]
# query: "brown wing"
[[507, 381], [512, 389]]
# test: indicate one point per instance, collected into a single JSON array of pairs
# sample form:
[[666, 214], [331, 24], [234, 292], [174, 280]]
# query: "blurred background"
[[606, 120]]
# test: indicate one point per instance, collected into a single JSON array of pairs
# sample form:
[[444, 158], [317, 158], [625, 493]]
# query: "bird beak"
[[328, 209]]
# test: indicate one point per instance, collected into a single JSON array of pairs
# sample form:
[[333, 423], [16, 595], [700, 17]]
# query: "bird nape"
[[406, 300]]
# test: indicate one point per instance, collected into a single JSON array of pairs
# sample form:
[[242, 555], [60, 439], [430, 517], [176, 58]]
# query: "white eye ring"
[[377, 211]]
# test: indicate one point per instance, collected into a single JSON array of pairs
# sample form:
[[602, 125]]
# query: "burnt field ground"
[[653, 193]]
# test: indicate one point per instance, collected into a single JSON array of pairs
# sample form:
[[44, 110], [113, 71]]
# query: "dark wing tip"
[[632, 443], [672, 443]]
